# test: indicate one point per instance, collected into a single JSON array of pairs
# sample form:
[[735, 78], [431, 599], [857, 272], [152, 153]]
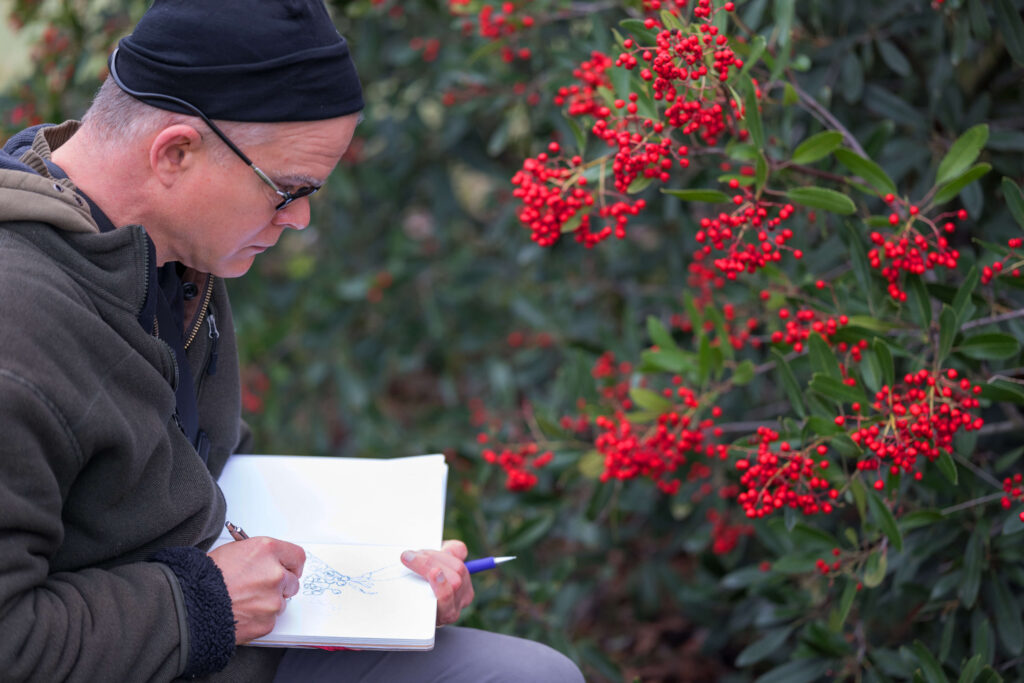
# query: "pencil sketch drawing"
[[319, 578]]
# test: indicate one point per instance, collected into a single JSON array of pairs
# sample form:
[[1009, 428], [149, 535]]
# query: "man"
[[119, 391]]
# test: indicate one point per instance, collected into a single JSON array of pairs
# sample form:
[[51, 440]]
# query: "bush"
[[747, 405]]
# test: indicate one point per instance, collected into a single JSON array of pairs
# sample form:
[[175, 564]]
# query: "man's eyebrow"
[[297, 180]]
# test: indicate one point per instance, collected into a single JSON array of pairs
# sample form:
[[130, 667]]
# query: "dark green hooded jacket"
[[96, 478]]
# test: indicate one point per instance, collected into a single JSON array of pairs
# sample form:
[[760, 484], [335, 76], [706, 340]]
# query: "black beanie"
[[241, 60]]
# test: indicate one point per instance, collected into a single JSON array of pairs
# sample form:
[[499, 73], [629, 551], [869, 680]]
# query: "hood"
[[28, 192]]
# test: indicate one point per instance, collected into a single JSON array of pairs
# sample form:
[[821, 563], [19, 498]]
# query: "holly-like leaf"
[[953, 187], [947, 332], [866, 169], [713, 196], [963, 152], [817, 147], [875, 568], [1014, 200], [884, 518], [1012, 27], [649, 401], [990, 346], [947, 466], [822, 198], [753, 117]]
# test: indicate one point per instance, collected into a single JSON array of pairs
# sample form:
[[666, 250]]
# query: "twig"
[[825, 116], [971, 503], [1002, 317]]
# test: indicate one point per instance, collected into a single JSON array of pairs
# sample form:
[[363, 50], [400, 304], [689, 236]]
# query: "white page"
[[354, 517], [308, 499]]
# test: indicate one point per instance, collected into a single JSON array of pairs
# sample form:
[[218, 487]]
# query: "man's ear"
[[174, 151]]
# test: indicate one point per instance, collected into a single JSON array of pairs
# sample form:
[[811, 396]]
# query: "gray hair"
[[115, 118]]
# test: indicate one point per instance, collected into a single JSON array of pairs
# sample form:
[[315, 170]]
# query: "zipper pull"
[[214, 337]]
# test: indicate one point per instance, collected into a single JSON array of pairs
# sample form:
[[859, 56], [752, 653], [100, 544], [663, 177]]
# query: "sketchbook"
[[353, 517]]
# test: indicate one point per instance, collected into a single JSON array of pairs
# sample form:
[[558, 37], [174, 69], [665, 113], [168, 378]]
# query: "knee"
[[538, 663]]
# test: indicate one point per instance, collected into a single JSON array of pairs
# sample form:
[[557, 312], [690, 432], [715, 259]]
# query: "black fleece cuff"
[[211, 621]]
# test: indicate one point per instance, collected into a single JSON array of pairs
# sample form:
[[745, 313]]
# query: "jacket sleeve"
[[125, 623]]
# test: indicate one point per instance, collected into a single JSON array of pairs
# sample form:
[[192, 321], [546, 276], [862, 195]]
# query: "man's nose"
[[295, 215]]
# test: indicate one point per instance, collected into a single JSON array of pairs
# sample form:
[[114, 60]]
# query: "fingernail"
[[440, 578], [409, 556]]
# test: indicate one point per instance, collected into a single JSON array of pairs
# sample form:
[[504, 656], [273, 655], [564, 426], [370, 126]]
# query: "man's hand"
[[445, 569], [261, 574]]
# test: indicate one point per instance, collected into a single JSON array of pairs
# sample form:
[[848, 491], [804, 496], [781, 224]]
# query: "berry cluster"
[[1010, 263], [1014, 489], [556, 199], [918, 417], [800, 324], [497, 23], [823, 565], [681, 76], [918, 245], [518, 463], [776, 475], [748, 235], [658, 452], [725, 535]]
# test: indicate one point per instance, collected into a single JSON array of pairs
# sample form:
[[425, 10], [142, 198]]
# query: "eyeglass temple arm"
[[143, 96]]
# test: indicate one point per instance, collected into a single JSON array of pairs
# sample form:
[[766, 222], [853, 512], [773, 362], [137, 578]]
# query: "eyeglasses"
[[286, 197]]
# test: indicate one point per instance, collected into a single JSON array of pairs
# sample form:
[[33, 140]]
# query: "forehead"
[[305, 152]]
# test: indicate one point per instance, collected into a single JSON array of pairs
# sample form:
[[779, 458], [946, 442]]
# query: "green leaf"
[[660, 335], [789, 384], [990, 346], [979, 20], [1008, 623], [962, 305], [875, 568], [919, 518], [953, 187], [920, 301], [947, 332], [713, 196], [971, 669], [743, 373], [668, 360], [640, 32], [823, 358], [893, 58], [884, 356], [1012, 27], [530, 532], [947, 465], [1003, 390], [835, 389], [838, 616], [883, 517], [766, 646], [867, 170], [932, 669], [639, 184], [753, 117], [962, 153], [817, 147], [822, 198], [649, 401], [797, 671], [1014, 200], [757, 47], [973, 561], [784, 13]]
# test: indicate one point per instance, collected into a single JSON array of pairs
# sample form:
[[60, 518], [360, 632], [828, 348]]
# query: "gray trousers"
[[460, 655]]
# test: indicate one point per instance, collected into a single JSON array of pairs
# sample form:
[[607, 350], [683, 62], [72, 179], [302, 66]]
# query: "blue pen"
[[483, 563]]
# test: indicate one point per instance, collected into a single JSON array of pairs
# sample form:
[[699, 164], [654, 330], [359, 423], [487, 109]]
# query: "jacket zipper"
[[211, 366], [202, 312]]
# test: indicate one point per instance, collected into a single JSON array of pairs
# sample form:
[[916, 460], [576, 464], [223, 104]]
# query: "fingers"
[[456, 548], [260, 574], [448, 578]]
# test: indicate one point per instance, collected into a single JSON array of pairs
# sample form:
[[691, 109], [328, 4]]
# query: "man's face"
[[231, 216]]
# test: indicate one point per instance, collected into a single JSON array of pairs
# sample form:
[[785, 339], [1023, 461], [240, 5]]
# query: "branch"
[[825, 116], [1002, 317]]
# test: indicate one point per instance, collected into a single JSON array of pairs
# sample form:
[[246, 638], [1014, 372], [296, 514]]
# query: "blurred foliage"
[[415, 313]]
